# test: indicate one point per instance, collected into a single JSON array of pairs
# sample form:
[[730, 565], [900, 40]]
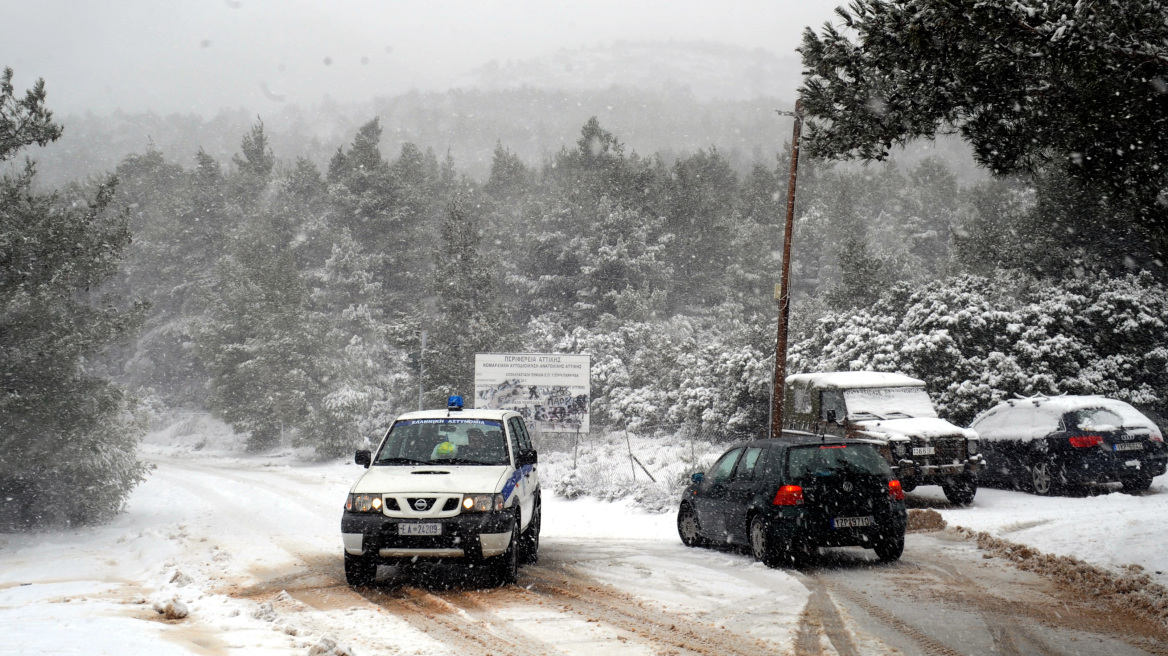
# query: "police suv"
[[445, 484]]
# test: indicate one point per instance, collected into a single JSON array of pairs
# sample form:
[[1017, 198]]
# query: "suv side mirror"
[[363, 458], [697, 477], [527, 457]]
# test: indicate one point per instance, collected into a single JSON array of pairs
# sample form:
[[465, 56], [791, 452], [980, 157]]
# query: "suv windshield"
[[449, 441], [829, 459], [888, 403]]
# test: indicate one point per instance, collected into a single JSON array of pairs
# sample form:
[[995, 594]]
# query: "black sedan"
[[1055, 444], [784, 498]]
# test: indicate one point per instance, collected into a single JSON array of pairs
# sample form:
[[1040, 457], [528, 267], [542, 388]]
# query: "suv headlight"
[[482, 502], [363, 503], [972, 447]]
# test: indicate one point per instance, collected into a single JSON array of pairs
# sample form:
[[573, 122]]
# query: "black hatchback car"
[[786, 497], [1049, 445]]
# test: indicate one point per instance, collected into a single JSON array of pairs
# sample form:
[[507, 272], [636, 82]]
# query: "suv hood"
[[926, 428], [458, 479]]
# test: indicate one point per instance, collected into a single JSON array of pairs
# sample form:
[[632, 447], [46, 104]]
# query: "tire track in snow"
[[595, 600]]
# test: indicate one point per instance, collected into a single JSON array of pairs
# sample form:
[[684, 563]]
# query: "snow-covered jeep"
[[895, 411], [445, 484]]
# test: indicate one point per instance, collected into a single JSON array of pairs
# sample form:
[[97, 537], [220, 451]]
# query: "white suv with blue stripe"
[[445, 484]]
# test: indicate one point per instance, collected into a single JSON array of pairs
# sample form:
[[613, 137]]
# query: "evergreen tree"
[[1064, 84], [67, 436], [471, 315]]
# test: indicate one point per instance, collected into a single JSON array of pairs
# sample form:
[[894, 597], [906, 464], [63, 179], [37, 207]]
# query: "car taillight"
[[895, 491], [1084, 441], [1155, 437], [789, 495]]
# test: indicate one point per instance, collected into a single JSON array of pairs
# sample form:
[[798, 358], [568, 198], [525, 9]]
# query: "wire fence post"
[[575, 447], [630, 445]]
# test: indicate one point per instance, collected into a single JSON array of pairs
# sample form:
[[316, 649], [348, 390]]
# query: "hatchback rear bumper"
[[817, 530]]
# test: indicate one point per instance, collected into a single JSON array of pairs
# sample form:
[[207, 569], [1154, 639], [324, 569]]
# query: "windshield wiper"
[[401, 461], [463, 461]]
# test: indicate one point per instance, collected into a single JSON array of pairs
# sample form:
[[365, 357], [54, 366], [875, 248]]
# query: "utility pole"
[[421, 371], [783, 290]]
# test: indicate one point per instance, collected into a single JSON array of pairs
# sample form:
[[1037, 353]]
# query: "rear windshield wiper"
[[401, 461]]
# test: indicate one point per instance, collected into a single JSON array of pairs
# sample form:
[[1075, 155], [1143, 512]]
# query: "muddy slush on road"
[[944, 598]]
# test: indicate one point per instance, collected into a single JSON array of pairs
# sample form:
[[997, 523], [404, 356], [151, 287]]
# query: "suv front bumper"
[[463, 536], [906, 468]]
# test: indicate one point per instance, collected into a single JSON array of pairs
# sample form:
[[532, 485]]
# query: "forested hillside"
[[290, 299], [281, 277]]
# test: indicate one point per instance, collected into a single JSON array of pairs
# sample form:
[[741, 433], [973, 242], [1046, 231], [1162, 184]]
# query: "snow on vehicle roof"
[[853, 379], [472, 413], [1038, 416]]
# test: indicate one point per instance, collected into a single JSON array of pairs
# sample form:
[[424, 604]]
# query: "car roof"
[[469, 413], [1062, 404], [853, 380]]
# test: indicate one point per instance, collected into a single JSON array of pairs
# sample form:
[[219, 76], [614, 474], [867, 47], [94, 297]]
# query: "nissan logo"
[[419, 504], [847, 486]]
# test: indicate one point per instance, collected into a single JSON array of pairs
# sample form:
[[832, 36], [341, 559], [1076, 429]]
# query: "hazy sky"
[[204, 55]]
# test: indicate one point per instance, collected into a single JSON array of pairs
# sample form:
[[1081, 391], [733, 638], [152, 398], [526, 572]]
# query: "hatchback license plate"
[[924, 450], [851, 522], [1128, 446], [419, 529]]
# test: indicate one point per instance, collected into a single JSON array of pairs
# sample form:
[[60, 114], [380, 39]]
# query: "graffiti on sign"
[[550, 390]]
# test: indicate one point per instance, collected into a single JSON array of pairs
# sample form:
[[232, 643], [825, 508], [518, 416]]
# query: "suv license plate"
[[924, 450], [850, 522], [1128, 446], [433, 528]]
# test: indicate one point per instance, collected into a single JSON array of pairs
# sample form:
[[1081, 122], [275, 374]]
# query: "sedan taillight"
[[895, 491], [789, 495], [1084, 441]]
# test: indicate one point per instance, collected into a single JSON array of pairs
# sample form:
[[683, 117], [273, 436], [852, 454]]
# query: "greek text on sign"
[[550, 390]]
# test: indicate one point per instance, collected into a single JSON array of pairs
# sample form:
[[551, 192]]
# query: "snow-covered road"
[[250, 546]]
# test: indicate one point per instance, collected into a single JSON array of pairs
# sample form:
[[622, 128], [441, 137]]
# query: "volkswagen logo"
[[847, 486], [420, 504]]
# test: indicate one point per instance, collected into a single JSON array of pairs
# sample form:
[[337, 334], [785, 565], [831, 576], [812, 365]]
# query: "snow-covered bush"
[[976, 340], [709, 374]]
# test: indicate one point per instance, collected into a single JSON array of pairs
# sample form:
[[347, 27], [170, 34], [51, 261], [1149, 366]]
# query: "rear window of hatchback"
[[831, 459]]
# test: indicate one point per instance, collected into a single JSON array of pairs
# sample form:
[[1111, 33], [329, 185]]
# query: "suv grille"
[[421, 504], [945, 451], [451, 504]]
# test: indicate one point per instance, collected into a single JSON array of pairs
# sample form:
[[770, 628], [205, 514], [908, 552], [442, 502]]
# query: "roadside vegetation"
[[289, 298]]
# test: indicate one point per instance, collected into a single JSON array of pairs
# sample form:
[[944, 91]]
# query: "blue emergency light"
[[454, 403]]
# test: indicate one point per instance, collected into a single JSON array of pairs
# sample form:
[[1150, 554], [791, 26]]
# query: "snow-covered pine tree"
[[67, 437], [471, 315], [1061, 84]]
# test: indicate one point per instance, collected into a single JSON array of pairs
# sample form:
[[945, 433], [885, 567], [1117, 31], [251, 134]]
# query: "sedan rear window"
[[828, 459]]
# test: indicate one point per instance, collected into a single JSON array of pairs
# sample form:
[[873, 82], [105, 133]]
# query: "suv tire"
[[960, 490], [359, 571], [889, 549], [529, 541], [507, 565], [688, 528]]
